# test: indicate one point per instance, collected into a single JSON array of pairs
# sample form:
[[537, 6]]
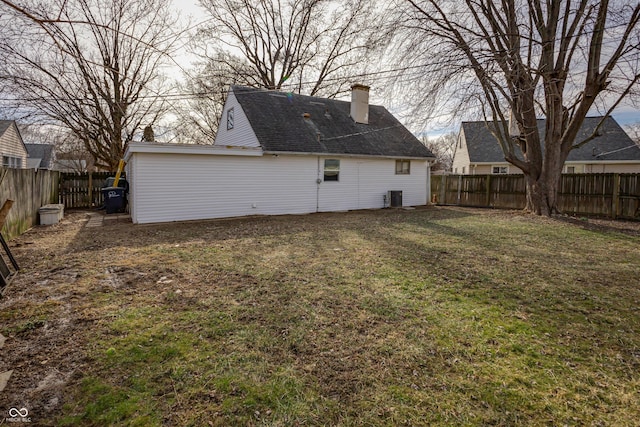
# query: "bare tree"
[[205, 88], [311, 45], [519, 60], [91, 65], [69, 154], [443, 148], [634, 132]]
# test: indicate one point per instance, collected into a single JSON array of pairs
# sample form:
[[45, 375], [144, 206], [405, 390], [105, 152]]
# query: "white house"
[[12, 148], [278, 153], [612, 151]]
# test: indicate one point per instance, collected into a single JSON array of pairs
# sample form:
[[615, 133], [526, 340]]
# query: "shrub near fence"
[[612, 195]]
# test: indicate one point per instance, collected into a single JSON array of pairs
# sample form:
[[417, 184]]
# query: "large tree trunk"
[[542, 192]]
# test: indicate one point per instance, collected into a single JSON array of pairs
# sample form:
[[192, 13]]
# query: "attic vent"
[[306, 115]]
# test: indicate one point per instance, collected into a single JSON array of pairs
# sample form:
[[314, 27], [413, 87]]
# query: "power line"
[[619, 149], [360, 133]]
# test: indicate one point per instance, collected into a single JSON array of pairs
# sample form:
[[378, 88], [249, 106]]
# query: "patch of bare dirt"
[[41, 321]]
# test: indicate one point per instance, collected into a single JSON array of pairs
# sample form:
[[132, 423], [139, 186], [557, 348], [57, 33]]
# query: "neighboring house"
[[278, 153], [478, 152], [12, 148], [41, 156]]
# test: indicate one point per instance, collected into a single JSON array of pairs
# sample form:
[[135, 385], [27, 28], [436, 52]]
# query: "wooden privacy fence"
[[613, 195], [82, 190], [29, 189]]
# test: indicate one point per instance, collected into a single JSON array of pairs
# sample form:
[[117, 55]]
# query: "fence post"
[[616, 195], [488, 195], [90, 189], [443, 190]]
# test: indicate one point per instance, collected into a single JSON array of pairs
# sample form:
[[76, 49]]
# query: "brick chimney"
[[360, 103]]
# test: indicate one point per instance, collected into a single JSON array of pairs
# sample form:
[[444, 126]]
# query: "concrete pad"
[[4, 379]]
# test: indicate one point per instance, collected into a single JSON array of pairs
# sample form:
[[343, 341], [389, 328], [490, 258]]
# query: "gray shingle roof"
[[43, 152], [278, 121], [4, 125], [484, 148]]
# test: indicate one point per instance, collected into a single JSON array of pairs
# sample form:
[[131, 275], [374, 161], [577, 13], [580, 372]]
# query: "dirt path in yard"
[[45, 318], [47, 315]]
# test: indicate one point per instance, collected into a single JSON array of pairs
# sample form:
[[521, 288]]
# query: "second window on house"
[[331, 169], [403, 167], [500, 170]]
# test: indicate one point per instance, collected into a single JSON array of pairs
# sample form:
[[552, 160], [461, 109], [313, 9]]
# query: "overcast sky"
[[189, 9]]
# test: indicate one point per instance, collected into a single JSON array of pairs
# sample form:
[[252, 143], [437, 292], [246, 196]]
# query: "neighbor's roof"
[[44, 152], [278, 121], [612, 144], [4, 125]]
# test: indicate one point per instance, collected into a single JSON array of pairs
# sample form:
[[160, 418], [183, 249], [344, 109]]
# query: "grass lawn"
[[435, 316]]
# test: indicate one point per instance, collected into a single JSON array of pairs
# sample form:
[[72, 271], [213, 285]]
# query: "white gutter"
[[218, 150]]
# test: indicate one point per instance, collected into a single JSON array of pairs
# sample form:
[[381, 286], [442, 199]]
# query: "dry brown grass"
[[436, 316]]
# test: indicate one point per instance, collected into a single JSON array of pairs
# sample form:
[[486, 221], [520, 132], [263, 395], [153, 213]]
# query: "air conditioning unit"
[[394, 199]]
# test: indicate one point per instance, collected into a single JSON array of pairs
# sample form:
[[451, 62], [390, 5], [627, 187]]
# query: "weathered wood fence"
[[82, 190], [612, 195], [29, 189]]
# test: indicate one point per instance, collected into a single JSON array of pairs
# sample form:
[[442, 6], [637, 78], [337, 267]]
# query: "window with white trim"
[[500, 170], [331, 169], [403, 167], [12, 162], [571, 169]]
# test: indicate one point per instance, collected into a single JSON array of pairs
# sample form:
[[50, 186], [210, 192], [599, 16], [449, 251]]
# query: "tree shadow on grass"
[[206, 231], [601, 225]]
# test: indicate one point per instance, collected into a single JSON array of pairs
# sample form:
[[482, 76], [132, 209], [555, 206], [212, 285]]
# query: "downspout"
[[428, 182], [318, 187]]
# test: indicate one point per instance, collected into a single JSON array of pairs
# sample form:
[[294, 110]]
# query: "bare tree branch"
[[555, 58], [316, 43], [102, 81]]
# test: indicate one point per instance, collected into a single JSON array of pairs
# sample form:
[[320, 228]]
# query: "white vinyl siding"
[[12, 148], [364, 182], [461, 159], [130, 171], [184, 187], [241, 135], [173, 187]]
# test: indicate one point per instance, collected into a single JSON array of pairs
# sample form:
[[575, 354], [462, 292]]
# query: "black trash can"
[[121, 183], [114, 199]]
